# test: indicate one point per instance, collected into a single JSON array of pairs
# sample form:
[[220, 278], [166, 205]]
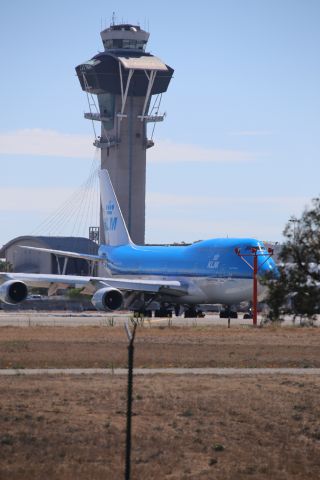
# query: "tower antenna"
[[113, 18]]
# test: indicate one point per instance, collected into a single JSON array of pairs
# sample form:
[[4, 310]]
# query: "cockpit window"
[[259, 247]]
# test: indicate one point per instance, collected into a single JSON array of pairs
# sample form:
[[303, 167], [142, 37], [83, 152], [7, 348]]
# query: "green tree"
[[297, 288], [277, 295]]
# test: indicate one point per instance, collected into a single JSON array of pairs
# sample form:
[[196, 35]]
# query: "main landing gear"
[[167, 312], [163, 313], [228, 313], [142, 313], [193, 313]]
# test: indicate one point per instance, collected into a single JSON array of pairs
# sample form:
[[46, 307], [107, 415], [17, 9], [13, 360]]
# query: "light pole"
[[255, 269]]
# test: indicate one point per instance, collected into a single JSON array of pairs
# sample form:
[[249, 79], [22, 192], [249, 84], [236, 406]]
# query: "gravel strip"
[[157, 371]]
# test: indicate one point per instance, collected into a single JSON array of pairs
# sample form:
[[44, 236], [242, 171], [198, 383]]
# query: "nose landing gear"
[[248, 315]]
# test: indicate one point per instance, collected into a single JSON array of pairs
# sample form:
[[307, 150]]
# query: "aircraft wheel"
[[163, 313], [228, 314]]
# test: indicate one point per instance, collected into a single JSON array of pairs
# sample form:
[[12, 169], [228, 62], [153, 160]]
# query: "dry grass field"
[[184, 427], [213, 346]]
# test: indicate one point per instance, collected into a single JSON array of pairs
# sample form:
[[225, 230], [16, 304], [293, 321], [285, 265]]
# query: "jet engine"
[[108, 299], [13, 292]]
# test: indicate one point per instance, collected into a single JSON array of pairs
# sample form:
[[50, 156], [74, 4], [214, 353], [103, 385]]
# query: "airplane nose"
[[266, 266]]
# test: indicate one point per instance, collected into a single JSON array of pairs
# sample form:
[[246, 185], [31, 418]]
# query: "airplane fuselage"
[[210, 270]]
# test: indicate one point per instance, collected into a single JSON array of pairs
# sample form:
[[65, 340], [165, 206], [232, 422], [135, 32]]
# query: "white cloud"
[[168, 151], [251, 133], [169, 230], [175, 200], [37, 141], [27, 200], [52, 143]]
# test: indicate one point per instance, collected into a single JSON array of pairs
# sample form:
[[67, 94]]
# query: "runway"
[[160, 371], [30, 318]]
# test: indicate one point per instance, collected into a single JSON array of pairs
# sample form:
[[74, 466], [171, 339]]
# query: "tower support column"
[[124, 77]]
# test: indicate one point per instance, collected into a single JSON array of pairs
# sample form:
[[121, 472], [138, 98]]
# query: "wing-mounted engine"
[[108, 299], [13, 292]]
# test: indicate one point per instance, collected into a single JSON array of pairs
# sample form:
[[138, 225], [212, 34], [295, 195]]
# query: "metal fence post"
[[131, 335]]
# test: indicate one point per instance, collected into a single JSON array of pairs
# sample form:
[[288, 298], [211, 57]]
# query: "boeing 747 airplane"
[[142, 277]]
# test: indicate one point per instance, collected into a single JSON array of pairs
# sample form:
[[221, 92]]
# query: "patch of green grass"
[[218, 447]]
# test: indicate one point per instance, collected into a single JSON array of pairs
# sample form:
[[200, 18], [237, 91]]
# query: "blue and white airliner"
[[170, 277]]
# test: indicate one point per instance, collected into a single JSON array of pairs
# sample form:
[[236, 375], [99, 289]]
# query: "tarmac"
[[28, 318]]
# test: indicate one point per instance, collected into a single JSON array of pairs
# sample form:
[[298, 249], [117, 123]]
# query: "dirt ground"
[[213, 346], [184, 427]]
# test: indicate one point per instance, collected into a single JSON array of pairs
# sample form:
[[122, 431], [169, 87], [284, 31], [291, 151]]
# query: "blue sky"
[[238, 153]]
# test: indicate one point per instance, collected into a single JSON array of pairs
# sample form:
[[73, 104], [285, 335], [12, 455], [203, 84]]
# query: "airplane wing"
[[91, 284], [170, 287], [85, 256]]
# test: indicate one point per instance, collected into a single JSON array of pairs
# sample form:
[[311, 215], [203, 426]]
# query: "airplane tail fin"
[[115, 229]]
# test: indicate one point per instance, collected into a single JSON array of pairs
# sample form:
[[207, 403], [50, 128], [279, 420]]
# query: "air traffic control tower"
[[124, 77]]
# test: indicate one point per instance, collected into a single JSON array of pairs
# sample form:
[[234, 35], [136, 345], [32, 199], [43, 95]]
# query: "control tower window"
[[141, 45], [124, 43], [117, 43], [113, 43]]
